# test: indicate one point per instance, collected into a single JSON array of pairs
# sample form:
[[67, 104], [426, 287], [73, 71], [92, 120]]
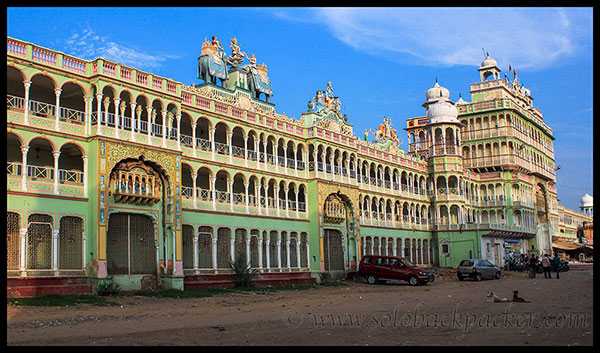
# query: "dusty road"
[[446, 312]]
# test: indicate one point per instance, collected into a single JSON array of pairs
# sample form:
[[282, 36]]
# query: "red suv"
[[377, 268]]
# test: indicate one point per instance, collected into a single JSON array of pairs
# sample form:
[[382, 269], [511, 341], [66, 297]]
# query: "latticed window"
[[188, 246], [253, 250], [273, 249], [223, 248], [70, 239], [39, 242], [13, 244], [205, 248], [283, 247], [293, 250], [303, 249]]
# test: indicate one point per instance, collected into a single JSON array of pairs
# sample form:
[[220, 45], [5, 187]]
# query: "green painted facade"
[[145, 208]]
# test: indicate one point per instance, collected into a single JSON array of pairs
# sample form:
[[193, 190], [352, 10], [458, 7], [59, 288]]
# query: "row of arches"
[[37, 245], [417, 251], [261, 192], [213, 248], [41, 158]]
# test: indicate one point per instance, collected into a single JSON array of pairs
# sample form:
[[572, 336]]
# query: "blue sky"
[[380, 60]]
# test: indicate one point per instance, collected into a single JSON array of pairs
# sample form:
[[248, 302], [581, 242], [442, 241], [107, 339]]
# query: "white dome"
[[488, 62], [442, 111], [587, 200], [436, 92]]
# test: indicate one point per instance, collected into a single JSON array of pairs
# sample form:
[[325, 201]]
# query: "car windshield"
[[408, 263]]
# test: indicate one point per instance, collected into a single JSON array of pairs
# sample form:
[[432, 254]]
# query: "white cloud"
[[525, 38], [89, 45]]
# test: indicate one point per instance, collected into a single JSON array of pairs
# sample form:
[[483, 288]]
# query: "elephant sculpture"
[[211, 67], [258, 84]]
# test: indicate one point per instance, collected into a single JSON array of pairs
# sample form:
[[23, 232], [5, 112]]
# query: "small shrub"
[[242, 273], [108, 288]]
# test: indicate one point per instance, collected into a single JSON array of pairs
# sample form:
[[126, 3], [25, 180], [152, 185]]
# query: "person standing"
[[546, 266], [532, 265], [557, 266]]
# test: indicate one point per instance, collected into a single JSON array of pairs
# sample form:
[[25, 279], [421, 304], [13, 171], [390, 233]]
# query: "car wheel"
[[478, 277], [498, 275], [413, 281], [371, 278], [460, 278]]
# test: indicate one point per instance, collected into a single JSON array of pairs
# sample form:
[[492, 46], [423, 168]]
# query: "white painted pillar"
[[298, 252], [196, 259], [266, 188], [55, 234], [57, 92], [260, 252], [133, 121], [213, 192], [151, 113], [211, 137], [276, 156], [27, 84], [248, 240], [194, 177], [287, 246], [276, 190], [214, 252], [229, 146], [85, 175], [99, 114], [268, 247], [230, 191], [265, 153], [88, 108], [287, 211], [24, 171], [56, 155], [178, 117], [23, 249], [194, 139], [232, 245], [279, 251], [246, 150], [165, 125], [297, 204], [246, 185], [117, 101]]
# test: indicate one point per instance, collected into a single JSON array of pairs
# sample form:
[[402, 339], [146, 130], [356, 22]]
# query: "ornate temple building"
[[119, 175]]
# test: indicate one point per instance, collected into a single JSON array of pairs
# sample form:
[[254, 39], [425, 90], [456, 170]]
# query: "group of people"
[[522, 263]]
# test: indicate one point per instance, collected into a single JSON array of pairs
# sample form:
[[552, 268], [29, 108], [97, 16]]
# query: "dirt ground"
[[445, 312]]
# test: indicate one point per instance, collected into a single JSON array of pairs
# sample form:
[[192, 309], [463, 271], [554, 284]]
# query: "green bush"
[[108, 288], [242, 273]]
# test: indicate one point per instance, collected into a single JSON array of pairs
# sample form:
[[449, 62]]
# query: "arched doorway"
[[339, 241], [130, 247]]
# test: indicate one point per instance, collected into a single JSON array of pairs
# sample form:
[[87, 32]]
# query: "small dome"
[[436, 92], [488, 62], [442, 111], [587, 200], [461, 101]]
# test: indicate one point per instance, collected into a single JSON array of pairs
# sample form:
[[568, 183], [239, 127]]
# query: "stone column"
[[178, 117], [194, 177], [24, 171], [260, 248], [287, 251], [266, 188], [57, 92], [287, 211], [164, 128], [232, 244], [196, 260], [285, 168], [99, 114], [23, 248], [85, 175], [106, 103], [213, 192], [56, 154], [298, 252], [246, 185], [268, 247], [276, 192], [276, 156], [297, 190], [258, 193], [229, 146], [214, 252], [246, 150], [55, 234], [27, 84], [265, 153], [88, 121], [296, 160], [279, 251], [194, 139], [248, 240], [117, 101], [230, 191], [316, 161], [212, 142], [133, 121], [151, 113]]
